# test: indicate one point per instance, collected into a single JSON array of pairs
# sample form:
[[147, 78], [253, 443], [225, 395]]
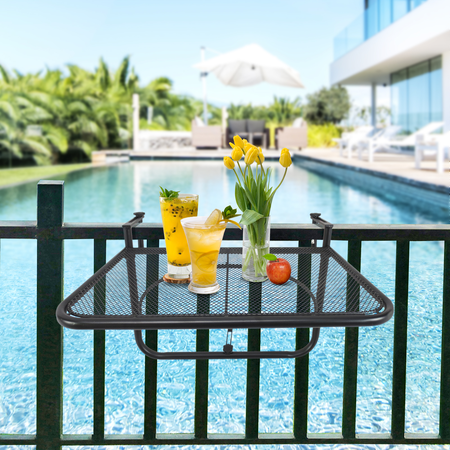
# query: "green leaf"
[[270, 257], [168, 194], [250, 217], [229, 213], [240, 197]]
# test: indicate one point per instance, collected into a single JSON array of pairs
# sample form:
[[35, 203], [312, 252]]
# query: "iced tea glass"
[[172, 211], [204, 245]]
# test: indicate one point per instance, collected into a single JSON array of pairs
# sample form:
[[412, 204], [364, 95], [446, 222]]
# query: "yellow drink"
[[204, 245], [172, 211]]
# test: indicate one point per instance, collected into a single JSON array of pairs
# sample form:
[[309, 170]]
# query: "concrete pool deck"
[[398, 165]]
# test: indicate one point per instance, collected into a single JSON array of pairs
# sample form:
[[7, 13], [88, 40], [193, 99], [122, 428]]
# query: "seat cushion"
[[237, 126], [256, 126]]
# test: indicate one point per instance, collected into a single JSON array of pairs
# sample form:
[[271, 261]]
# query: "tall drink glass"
[[172, 211], [204, 245]]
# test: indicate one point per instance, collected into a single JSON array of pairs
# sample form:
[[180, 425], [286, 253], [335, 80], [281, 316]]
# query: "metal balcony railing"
[[50, 231]]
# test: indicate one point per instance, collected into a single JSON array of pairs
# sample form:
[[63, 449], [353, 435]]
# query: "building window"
[[416, 95], [381, 13]]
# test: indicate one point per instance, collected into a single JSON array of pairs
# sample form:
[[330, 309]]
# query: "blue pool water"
[[111, 194]]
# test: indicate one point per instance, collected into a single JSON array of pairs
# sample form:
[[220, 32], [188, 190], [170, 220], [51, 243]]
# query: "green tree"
[[284, 111], [327, 105]]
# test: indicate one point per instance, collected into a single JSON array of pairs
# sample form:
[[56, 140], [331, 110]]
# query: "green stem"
[[240, 169], [239, 181], [273, 193]]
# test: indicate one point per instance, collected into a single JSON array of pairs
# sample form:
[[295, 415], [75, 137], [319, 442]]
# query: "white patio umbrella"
[[248, 66]]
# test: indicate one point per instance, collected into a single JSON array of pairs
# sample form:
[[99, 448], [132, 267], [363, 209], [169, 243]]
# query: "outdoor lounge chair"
[[384, 140], [248, 129], [257, 129], [350, 140], [434, 145], [292, 137], [237, 127], [206, 136]]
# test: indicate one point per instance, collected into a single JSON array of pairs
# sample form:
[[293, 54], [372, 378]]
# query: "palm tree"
[[283, 111], [15, 137], [85, 110]]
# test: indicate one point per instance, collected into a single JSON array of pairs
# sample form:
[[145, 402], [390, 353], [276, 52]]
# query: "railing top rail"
[[279, 232]]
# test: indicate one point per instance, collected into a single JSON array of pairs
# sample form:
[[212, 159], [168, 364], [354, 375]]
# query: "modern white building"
[[404, 44]]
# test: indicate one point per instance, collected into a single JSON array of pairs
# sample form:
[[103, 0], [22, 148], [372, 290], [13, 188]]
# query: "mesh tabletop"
[[129, 293]]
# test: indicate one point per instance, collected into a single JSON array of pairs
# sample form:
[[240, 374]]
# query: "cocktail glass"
[[204, 245], [172, 211]]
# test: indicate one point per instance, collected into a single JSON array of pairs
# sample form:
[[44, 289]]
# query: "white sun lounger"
[[350, 140], [384, 141], [435, 145]]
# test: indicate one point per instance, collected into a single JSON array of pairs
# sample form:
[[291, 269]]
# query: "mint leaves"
[[168, 194], [229, 213]]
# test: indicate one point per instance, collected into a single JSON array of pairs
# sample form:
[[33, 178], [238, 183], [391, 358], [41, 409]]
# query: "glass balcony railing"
[[378, 15]]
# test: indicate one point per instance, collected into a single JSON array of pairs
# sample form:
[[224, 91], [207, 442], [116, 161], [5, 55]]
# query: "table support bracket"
[[222, 355]]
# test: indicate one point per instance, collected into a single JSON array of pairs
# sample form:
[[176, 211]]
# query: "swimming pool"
[[110, 195]]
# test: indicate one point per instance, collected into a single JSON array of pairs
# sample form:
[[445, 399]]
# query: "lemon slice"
[[214, 217], [234, 223], [206, 262]]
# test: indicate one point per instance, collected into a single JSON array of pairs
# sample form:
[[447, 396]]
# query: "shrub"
[[322, 135], [327, 105]]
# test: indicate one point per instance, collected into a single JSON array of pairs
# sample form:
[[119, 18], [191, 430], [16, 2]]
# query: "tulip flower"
[[260, 158], [250, 156], [238, 142], [228, 162], [247, 146], [237, 153], [285, 159], [284, 150]]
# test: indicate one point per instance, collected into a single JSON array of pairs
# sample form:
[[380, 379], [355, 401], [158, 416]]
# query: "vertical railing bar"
[[400, 340], [99, 344], [253, 366], [351, 353], [151, 340], [444, 415], [301, 375], [202, 374], [50, 291]]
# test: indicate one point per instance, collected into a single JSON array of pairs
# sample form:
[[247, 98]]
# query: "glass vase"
[[256, 244]]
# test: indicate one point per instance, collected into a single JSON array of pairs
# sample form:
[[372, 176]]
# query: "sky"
[[163, 38]]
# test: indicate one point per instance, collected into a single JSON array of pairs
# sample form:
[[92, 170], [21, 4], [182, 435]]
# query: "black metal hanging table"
[[128, 293]]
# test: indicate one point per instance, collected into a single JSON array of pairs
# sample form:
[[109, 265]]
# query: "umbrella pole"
[[203, 75]]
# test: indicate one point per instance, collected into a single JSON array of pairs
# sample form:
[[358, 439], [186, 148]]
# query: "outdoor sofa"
[[206, 136], [295, 136], [254, 131]]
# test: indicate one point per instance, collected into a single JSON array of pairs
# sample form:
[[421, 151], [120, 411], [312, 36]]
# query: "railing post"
[[444, 418], [50, 286], [99, 346], [301, 376], [151, 340], [201, 374], [351, 352], [253, 368], [400, 340]]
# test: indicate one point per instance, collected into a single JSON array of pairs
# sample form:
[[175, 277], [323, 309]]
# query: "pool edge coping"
[[377, 173]]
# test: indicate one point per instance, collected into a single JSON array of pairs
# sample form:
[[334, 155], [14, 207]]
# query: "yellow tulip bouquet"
[[254, 197]]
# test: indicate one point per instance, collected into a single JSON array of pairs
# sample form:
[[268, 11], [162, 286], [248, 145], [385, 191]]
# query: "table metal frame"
[[137, 321]]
